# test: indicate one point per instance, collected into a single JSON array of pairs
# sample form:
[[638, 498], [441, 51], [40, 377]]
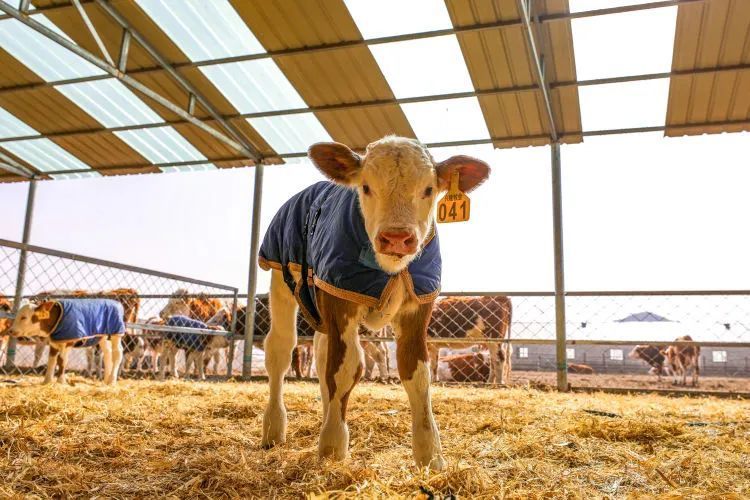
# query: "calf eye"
[[366, 189], [428, 192]]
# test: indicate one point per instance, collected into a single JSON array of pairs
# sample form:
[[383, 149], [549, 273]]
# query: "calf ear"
[[472, 172], [43, 311], [336, 161]]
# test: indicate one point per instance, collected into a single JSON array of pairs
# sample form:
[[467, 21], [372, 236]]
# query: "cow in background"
[[580, 369], [6, 307], [474, 319], [653, 356], [682, 358], [133, 346]]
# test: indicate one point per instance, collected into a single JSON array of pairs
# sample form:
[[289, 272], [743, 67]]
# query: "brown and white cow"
[[653, 356], [474, 319], [471, 367], [41, 321], [6, 307], [682, 358], [396, 183], [200, 307], [580, 369]]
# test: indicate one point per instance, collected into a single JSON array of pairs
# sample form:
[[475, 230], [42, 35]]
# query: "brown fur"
[[412, 344], [683, 357], [336, 314], [579, 368]]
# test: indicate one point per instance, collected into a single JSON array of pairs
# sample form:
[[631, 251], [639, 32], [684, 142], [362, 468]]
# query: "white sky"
[[641, 211]]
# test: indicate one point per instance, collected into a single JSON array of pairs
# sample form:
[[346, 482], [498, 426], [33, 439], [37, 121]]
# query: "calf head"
[[397, 183], [179, 304], [36, 321]]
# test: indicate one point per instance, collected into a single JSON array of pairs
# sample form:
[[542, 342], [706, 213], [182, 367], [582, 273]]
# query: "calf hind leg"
[[278, 347], [116, 347]]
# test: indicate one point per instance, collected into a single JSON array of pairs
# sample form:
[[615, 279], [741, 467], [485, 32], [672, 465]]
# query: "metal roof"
[[228, 83]]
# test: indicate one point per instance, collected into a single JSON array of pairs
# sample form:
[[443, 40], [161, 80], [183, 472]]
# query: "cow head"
[[179, 304], [397, 182], [35, 320]]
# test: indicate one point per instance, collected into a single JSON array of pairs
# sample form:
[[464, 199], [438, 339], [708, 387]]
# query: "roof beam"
[[9, 164], [389, 102], [538, 64], [124, 78], [386, 39], [247, 146], [93, 32], [469, 142]]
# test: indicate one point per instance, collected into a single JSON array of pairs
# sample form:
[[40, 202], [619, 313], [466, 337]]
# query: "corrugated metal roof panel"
[[344, 75], [501, 58], [710, 35], [103, 150]]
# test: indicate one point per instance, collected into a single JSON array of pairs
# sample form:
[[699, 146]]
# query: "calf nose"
[[397, 242]]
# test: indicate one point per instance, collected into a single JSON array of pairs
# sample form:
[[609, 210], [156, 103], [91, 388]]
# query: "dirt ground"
[[631, 381], [176, 439]]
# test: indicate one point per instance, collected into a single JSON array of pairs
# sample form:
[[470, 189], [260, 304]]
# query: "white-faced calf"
[[367, 247], [70, 323]]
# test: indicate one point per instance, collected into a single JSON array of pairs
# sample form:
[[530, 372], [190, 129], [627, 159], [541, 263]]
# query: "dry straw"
[[185, 440]]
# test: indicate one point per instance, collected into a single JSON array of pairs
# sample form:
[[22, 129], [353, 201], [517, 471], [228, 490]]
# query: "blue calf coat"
[[320, 231], [184, 340], [85, 320]]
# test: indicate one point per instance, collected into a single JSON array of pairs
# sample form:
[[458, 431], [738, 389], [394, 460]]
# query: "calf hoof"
[[334, 442], [436, 463], [274, 427]]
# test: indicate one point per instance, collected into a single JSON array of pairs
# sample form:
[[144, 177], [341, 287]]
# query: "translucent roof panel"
[[605, 45], [44, 155], [290, 133], [43, 56], [203, 29], [77, 175], [254, 86], [10, 126], [203, 167], [110, 103], [161, 145], [447, 120], [624, 105], [585, 5], [397, 17], [14, 4], [423, 67]]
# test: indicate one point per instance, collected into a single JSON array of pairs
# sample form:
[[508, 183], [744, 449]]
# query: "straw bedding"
[[183, 439]]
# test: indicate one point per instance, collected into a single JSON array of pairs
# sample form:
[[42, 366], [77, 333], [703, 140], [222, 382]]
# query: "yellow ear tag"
[[455, 205], [42, 314]]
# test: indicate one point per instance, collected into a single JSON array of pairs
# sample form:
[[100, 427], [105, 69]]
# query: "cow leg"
[[507, 351], [369, 359], [320, 347], [344, 366], [38, 352], [496, 364], [115, 342], [696, 371], [278, 346], [54, 353], [382, 360], [411, 352], [106, 350], [297, 362], [434, 351], [62, 363]]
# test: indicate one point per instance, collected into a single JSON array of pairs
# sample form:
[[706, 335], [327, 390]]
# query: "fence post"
[[247, 357], [233, 329], [10, 358], [557, 228]]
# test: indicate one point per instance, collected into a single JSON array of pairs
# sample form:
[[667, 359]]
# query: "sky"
[[641, 212]]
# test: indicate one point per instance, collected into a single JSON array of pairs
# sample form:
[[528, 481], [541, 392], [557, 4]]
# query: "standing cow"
[[654, 356], [682, 358], [474, 319], [362, 249]]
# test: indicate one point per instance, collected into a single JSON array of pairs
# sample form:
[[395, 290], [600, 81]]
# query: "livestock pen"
[[100, 89]]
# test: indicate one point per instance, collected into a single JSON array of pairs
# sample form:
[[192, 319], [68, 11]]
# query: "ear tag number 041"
[[455, 205]]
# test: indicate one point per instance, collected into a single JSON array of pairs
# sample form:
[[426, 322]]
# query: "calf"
[[195, 345], [653, 355], [6, 309], [474, 318], [682, 358], [74, 323], [471, 367], [579, 368], [360, 250]]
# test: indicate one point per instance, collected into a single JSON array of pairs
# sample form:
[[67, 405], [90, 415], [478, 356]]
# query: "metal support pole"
[[233, 329], [10, 358], [247, 358], [557, 228]]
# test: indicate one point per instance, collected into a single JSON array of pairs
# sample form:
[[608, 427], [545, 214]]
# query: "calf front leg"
[[115, 343], [54, 353], [411, 352], [62, 363], [278, 347], [344, 365]]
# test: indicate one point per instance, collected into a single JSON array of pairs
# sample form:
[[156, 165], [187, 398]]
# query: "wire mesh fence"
[[178, 326]]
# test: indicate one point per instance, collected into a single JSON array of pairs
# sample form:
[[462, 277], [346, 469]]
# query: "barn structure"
[[92, 88]]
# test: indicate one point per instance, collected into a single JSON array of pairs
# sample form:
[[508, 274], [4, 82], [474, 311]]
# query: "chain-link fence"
[[176, 325], [171, 321]]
